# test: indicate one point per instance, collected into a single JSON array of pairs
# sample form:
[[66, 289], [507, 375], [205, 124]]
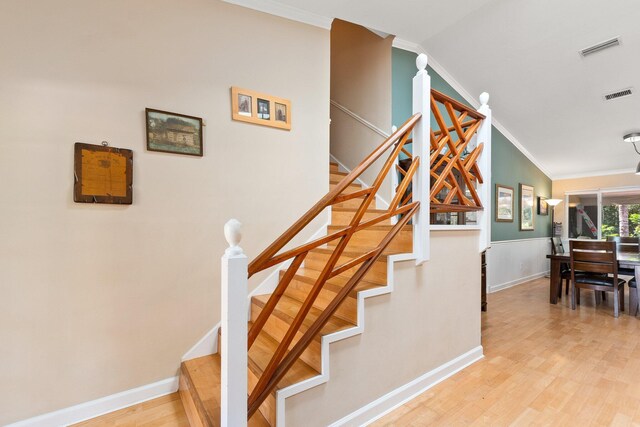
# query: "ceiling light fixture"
[[633, 137]]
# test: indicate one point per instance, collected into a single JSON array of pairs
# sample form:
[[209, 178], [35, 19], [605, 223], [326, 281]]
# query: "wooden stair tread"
[[350, 252], [377, 227], [287, 308], [204, 375], [260, 354], [346, 209], [335, 283]]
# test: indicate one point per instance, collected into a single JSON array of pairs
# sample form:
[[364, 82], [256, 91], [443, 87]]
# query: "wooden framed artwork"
[[173, 133], [527, 202], [543, 208], [102, 174], [260, 109], [504, 203]]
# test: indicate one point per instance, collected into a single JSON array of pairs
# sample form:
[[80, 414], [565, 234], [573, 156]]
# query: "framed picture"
[[527, 201], [244, 105], [102, 174], [173, 133], [543, 208], [260, 109], [263, 109], [281, 112], [504, 203]]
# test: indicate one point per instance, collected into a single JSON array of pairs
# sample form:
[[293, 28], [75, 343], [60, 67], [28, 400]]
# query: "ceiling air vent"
[[618, 94], [600, 46]]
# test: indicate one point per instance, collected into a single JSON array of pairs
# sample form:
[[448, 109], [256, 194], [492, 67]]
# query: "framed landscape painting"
[[173, 132], [504, 203], [526, 207]]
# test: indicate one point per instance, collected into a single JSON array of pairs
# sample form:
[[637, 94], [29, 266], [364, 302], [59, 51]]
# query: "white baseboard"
[[207, 345], [516, 282], [104, 405], [398, 397]]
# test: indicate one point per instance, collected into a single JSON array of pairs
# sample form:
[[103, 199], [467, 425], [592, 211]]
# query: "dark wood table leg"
[[554, 278]]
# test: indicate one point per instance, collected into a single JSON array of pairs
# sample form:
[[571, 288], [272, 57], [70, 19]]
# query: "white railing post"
[[233, 404], [394, 177], [484, 163], [421, 180]]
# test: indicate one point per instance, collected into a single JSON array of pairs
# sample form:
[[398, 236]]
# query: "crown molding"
[[596, 173], [285, 11], [433, 63]]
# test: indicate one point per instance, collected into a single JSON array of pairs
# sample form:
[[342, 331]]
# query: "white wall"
[[97, 299], [361, 82], [511, 262]]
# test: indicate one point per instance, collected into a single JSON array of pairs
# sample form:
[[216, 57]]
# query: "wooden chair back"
[[556, 246], [594, 257], [625, 244]]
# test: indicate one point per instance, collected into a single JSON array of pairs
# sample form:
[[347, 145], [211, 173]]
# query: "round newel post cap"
[[233, 235], [484, 98], [421, 62]]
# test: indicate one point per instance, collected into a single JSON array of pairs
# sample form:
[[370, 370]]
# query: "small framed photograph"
[[504, 203], [258, 108], [543, 208], [281, 112], [263, 109], [173, 133], [527, 202], [244, 105]]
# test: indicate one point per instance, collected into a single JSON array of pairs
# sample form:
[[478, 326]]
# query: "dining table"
[[625, 260]]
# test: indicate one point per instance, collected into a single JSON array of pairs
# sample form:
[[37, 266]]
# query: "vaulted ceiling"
[[525, 54]]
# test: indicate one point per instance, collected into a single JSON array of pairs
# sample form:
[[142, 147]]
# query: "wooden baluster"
[[319, 323]]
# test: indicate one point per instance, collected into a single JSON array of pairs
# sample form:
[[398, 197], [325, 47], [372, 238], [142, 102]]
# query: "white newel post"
[[484, 162], [421, 180], [234, 330]]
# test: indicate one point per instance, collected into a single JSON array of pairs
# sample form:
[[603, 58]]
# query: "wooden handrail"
[[283, 358], [256, 265], [459, 106], [320, 322]]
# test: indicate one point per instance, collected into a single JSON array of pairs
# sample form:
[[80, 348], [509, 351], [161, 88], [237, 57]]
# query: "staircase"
[[322, 284], [200, 378]]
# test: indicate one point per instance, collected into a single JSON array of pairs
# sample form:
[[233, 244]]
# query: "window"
[[621, 214], [602, 213], [583, 216]]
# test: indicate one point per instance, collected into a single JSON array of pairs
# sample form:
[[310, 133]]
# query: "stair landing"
[[200, 392]]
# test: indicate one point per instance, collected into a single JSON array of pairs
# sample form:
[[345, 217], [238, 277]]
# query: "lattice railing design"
[[289, 350], [454, 168]]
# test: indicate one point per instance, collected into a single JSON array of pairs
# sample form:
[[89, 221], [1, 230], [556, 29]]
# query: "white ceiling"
[[525, 54]]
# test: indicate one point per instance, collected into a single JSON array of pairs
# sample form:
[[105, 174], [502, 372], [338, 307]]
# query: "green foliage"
[[611, 221]]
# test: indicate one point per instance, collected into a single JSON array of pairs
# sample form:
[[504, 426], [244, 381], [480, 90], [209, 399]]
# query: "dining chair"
[[565, 271], [594, 265], [625, 244], [634, 293]]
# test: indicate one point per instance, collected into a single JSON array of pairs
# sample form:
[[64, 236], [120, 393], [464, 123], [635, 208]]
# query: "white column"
[[421, 182], [233, 405], [484, 163]]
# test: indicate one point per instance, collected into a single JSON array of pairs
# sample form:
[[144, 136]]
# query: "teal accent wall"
[[509, 166]]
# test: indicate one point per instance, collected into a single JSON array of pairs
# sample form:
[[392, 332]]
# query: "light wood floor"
[[165, 411], [544, 365]]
